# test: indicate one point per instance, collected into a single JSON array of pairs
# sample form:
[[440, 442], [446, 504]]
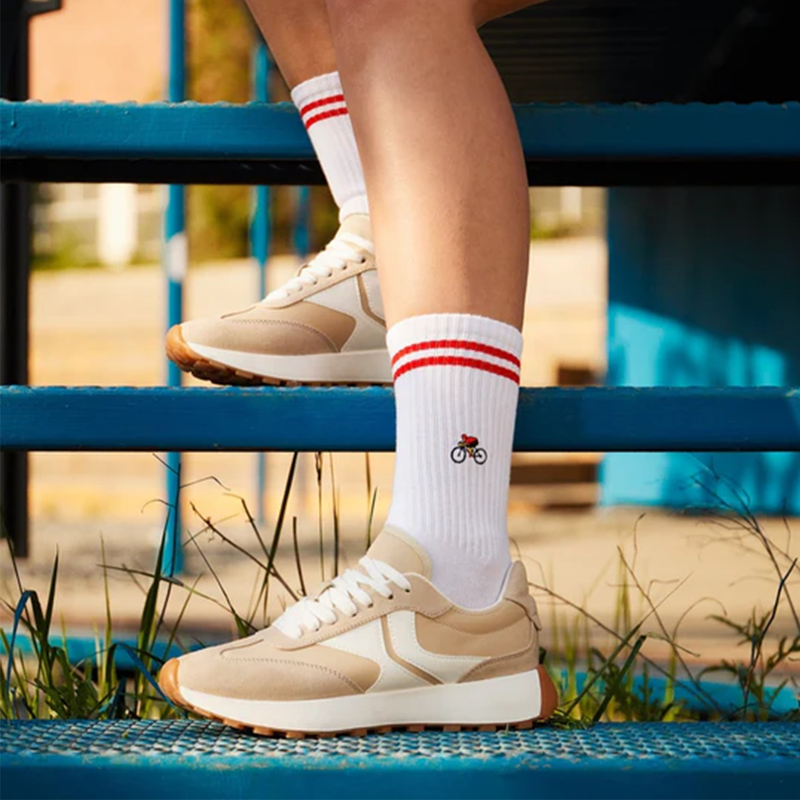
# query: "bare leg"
[[442, 157], [299, 36], [299, 33], [445, 176]]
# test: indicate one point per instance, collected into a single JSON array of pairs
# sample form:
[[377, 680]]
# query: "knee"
[[361, 21], [354, 24], [362, 29], [358, 15]]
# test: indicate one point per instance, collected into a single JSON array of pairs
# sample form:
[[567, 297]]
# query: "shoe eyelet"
[[363, 260], [390, 597], [407, 591]]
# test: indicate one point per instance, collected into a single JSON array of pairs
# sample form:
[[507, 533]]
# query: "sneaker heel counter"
[[517, 592], [534, 645]]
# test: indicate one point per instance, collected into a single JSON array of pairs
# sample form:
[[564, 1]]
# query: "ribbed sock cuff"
[[321, 103]]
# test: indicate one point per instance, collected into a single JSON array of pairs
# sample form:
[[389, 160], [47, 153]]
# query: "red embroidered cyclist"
[[470, 442], [468, 446]]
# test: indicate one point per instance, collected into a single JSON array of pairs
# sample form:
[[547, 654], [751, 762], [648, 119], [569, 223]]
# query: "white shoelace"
[[343, 594], [346, 247]]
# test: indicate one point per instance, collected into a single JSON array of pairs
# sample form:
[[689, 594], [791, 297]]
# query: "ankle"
[[354, 205], [470, 582]]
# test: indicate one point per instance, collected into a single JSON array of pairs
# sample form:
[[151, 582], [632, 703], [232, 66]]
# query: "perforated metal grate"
[[190, 739]]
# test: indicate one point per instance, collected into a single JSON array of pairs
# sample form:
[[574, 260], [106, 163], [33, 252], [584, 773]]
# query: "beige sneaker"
[[377, 648], [324, 326]]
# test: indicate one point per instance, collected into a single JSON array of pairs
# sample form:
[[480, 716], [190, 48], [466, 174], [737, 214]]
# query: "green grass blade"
[[318, 464], [146, 673], [608, 662], [51, 596], [335, 511], [297, 559], [617, 683], [20, 607], [278, 529], [371, 517]]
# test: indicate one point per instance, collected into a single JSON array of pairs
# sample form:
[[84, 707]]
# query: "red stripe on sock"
[[457, 344], [336, 112], [325, 101], [453, 361]]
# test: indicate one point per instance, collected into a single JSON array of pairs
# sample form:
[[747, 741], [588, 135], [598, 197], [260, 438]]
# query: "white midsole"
[[512, 698], [363, 366]]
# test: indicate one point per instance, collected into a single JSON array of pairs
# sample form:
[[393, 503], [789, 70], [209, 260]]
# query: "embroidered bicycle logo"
[[468, 447]]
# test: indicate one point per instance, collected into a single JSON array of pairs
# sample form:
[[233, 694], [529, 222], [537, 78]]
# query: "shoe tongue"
[[399, 550], [358, 224]]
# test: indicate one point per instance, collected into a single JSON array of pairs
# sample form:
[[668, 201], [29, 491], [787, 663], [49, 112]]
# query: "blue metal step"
[[262, 143], [362, 419], [205, 760]]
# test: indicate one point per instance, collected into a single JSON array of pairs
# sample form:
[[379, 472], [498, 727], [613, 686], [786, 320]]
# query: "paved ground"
[[102, 328]]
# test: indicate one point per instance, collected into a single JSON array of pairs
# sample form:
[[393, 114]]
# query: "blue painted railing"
[[275, 132], [261, 236], [351, 419], [176, 263], [261, 143]]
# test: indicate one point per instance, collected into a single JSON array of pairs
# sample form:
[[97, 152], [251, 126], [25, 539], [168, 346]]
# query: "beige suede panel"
[[517, 591], [504, 628], [252, 669], [335, 325], [485, 620], [422, 598], [302, 329], [399, 550], [439, 637], [512, 664]]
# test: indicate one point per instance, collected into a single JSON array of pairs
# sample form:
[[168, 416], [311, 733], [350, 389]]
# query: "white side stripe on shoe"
[[448, 669], [367, 641]]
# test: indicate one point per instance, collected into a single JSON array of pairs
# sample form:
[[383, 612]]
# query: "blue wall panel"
[[704, 290]]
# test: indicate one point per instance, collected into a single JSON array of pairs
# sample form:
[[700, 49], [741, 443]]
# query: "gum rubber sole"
[[180, 353], [168, 681]]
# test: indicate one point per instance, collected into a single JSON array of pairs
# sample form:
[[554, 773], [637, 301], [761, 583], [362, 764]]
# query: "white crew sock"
[[321, 104], [454, 375]]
